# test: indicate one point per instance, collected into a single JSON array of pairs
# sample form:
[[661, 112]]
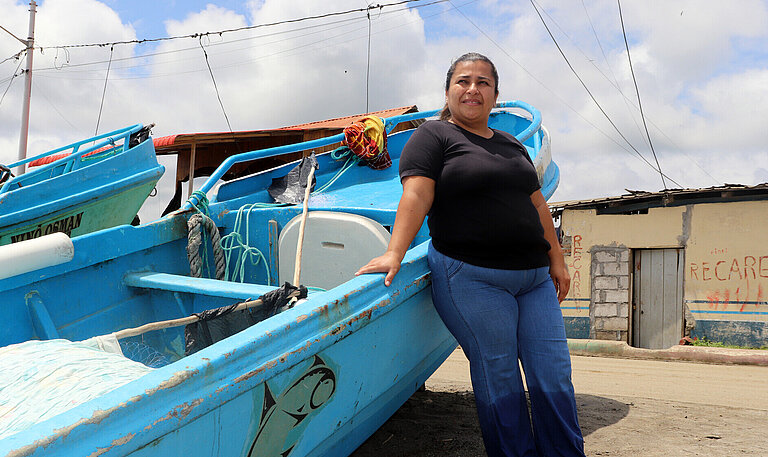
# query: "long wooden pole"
[[129, 332], [191, 187], [299, 247]]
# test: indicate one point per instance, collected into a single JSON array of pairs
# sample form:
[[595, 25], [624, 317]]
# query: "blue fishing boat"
[[96, 183], [313, 377]]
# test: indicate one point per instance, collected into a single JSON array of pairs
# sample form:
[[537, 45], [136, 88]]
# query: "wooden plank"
[[636, 288], [646, 299], [655, 314], [679, 304], [191, 171], [274, 266], [670, 311]]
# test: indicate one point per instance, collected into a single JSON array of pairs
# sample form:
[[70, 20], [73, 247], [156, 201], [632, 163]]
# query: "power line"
[[251, 27], [592, 96], [15, 56], [193, 48], [39, 89], [10, 81], [214, 84], [637, 91], [104, 91], [522, 67], [40, 72], [325, 26]]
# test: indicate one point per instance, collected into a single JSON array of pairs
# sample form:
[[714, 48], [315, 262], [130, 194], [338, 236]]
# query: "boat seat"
[[202, 286], [335, 246]]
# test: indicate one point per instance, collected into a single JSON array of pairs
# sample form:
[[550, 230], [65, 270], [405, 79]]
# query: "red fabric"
[[50, 159], [364, 146]]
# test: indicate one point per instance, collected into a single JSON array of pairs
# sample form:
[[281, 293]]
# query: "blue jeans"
[[498, 317]]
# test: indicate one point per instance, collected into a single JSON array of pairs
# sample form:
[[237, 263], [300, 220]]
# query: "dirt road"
[[626, 408]]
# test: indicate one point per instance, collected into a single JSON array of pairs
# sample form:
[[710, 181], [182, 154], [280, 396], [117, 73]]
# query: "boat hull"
[[315, 380], [106, 191], [100, 212]]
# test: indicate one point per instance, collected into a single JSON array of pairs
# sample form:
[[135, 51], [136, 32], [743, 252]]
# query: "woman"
[[498, 273]]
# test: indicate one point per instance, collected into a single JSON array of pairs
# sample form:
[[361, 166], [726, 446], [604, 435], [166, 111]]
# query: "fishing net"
[[144, 354], [41, 379]]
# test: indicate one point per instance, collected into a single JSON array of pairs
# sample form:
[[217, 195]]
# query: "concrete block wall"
[[609, 300]]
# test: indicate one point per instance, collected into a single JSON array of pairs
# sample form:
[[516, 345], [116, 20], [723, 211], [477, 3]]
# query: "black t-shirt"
[[482, 213]]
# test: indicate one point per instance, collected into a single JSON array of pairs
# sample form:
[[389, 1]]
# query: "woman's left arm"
[[557, 268]]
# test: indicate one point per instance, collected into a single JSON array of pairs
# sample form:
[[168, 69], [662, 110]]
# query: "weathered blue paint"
[[737, 333], [315, 380], [576, 327], [80, 193]]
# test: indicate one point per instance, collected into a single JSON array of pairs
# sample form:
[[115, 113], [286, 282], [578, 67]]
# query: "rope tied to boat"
[[233, 244], [195, 224], [5, 173], [339, 154], [367, 139]]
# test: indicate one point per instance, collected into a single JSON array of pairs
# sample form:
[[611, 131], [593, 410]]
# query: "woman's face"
[[471, 94]]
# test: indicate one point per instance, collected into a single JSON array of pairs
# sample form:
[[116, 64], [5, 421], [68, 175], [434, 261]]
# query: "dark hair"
[[445, 114]]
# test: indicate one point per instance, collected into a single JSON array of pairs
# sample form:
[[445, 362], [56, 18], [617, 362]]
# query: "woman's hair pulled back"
[[445, 114]]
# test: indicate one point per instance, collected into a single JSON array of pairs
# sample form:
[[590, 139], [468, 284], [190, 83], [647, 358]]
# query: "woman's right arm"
[[418, 194]]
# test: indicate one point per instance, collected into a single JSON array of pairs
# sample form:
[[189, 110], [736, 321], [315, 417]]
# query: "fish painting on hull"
[[283, 417]]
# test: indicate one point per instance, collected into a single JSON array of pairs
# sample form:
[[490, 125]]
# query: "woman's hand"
[[418, 193], [388, 263], [557, 268], [562, 279]]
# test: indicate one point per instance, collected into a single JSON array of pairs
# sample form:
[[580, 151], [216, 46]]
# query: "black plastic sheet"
[[216, 324], [290, 188]]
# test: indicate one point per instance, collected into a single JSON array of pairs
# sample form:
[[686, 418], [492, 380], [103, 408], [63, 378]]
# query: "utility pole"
[[27, 88]]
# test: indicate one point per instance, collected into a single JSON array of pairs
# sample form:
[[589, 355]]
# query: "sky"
[[700, 69]]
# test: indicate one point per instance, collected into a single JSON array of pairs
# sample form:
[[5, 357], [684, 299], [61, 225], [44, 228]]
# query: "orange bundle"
[[367, 139]]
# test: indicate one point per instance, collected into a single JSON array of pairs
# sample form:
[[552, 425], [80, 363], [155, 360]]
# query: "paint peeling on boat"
[[175, 380], [62, 433], [117, 442], [179, 412], [269, 365]]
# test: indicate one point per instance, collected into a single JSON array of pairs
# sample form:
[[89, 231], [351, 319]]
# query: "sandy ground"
[[626, 408]]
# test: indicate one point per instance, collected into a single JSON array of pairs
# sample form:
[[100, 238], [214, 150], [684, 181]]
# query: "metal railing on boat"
[[390, 124]]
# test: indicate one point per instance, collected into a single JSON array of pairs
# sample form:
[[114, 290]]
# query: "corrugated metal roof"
[[167, 144], [637, 200]]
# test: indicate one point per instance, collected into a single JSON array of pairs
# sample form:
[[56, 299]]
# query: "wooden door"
[[657, 308]]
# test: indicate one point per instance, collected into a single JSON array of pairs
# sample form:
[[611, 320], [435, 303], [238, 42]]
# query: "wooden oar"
[[129, 332], [297, 267]]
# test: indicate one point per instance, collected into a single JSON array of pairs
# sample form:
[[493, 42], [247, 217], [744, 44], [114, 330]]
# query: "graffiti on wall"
[[575, 264], [728, 281]]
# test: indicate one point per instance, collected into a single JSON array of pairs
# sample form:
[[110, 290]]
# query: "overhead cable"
[[15, 56], [251, 27], [214, 85], [639, 156], [627, 101], [594, 99], [637, 91], [10, 81], [104, 91]]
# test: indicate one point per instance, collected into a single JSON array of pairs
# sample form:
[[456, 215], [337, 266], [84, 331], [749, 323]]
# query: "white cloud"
[[700, 81]]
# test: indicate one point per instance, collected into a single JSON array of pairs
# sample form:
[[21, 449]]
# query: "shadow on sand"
[[444, 424]]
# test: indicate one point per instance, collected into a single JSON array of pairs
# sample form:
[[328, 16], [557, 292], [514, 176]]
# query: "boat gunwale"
[[29, 215]]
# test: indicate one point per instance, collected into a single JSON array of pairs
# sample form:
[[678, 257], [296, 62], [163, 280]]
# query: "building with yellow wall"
[[650, 268]]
